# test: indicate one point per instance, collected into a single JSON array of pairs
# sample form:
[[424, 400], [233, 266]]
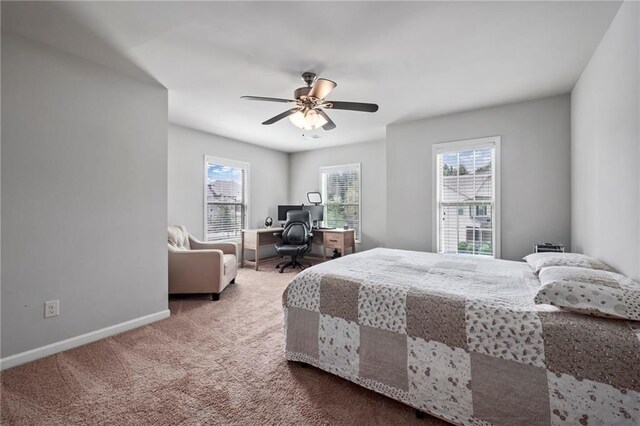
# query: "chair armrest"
[[208, 255], [196, 271], [226, 248], [277, 234]]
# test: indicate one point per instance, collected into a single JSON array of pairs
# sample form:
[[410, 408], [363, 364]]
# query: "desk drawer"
[[252, 239], [269, 239], [333, 241]]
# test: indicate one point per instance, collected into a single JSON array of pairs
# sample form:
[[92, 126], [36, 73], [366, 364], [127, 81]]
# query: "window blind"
[[341, 196], [466, 200], [225, 199]]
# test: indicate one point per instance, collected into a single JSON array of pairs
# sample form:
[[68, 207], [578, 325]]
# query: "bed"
[[461, 339]]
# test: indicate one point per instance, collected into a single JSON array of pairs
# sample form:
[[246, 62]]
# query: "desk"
[[253, 239], [335, 239]]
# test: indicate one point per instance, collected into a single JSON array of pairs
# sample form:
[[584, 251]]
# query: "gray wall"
[[269, 176], [84, 171], [305, 177], [535, 167], [605, 149]]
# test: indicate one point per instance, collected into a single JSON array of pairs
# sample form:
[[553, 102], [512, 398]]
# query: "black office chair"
[[296, 238]]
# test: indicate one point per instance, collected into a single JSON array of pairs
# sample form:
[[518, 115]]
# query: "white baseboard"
[[83, 339]]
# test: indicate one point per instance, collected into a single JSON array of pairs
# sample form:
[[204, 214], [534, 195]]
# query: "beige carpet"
[[209, 363]]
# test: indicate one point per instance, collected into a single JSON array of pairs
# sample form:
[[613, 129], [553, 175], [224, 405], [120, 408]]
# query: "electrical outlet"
[[51, 308]]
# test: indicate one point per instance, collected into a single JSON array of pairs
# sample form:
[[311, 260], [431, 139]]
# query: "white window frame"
[[468, 145], [208, 159], [324, 169]]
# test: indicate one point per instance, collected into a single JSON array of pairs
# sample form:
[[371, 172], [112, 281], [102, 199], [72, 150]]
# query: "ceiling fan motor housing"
[[309, 78], [301, 91]]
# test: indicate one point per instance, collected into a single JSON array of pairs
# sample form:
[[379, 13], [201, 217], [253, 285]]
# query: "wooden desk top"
[[278, 229], [263, 230]]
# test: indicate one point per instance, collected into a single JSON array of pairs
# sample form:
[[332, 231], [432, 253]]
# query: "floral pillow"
[[590, 291], [541, 260]]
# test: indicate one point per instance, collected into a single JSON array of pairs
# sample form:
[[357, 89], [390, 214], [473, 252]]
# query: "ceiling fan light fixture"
[[307, 109], [307, 120]]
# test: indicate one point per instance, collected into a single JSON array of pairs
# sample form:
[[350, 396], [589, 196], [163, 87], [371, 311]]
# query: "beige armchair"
[[197, 267]]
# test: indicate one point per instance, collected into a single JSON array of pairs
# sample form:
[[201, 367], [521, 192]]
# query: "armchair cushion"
[[226, 248], [178, 238], [230, 265]]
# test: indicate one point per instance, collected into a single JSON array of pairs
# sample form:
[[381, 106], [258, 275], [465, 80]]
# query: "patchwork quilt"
[[461, 338]]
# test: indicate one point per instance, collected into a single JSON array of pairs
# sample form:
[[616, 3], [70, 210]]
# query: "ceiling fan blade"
[[260, 98], [330, 124], [352, 106], [322, 88], [281, 116]]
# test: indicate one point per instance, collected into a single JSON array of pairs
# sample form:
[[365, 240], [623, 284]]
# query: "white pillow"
[[541, 260], [590, 291]]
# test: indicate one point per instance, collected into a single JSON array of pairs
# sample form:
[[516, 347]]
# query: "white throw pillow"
[[590, 291], [541, 260]]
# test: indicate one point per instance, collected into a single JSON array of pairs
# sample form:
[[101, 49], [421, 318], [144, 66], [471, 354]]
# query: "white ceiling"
[[414, 59]]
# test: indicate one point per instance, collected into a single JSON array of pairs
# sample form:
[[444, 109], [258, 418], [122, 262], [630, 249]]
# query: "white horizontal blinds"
[[466, 200], [225, 200], [341, 196]]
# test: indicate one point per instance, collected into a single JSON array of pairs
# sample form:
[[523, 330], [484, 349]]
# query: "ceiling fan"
[[308, 112]]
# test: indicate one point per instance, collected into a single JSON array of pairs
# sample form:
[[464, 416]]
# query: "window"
[[466, 197], [481, 210], [225, 198], [341, 196]]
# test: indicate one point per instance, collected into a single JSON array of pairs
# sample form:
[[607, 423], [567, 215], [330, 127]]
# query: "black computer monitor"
[[282, 211], [317, 212]]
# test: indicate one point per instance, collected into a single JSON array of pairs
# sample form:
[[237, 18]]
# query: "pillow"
[[590, 291], [541, 260]]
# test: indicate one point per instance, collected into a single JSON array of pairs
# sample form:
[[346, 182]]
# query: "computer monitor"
[[317, 212], [282, 211]]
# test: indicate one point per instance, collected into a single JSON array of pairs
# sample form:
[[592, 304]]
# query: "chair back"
[[178, 238], [297, 228]]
